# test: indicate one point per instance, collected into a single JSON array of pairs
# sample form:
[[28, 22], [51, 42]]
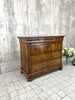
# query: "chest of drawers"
[[40, 55]]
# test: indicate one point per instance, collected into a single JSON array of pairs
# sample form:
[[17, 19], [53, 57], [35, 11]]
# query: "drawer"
[[40, 48], [45, 65], [36, 49], [43, 57]]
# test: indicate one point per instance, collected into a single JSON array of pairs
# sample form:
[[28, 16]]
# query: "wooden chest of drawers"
[[40, 55]]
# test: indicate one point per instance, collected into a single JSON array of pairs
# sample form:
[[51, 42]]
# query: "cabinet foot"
[[29, 79], [60, 68], [21, 72]]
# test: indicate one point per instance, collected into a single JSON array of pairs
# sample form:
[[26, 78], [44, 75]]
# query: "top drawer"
[[36, 49], [45, 40], [41, 39]]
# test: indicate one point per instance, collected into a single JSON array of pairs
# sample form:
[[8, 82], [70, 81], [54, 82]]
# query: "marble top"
[[42, 35]]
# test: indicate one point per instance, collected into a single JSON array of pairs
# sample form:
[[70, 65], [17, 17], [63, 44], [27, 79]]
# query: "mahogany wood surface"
[[40, 55]]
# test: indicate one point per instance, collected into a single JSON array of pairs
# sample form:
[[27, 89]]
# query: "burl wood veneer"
[[40, 55]]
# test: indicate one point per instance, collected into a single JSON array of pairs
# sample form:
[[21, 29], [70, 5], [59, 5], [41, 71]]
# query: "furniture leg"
[[60, 68], [29, 79], [21, 72]]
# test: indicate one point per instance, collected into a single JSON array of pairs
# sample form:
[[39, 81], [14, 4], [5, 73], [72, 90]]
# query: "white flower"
[[68, 51], [72, 49], [62, 51], [65, 48]]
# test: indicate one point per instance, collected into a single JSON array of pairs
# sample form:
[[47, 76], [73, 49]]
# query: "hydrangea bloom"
[[68, 52]]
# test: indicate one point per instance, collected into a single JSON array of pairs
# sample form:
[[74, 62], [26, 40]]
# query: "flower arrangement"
[[68, 52]]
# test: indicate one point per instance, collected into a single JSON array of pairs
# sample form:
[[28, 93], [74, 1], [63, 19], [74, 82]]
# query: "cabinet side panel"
[[24, 57]]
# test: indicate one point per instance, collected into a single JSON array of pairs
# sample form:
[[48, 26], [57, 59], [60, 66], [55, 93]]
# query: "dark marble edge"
[[41, 36]]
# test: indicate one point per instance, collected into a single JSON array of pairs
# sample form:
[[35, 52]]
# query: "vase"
[[67, 60]]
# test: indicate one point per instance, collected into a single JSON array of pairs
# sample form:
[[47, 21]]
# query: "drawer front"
[[43, 57], [45, 65], [36, 49]]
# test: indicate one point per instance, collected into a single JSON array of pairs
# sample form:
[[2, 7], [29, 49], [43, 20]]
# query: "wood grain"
[[40, 55]]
